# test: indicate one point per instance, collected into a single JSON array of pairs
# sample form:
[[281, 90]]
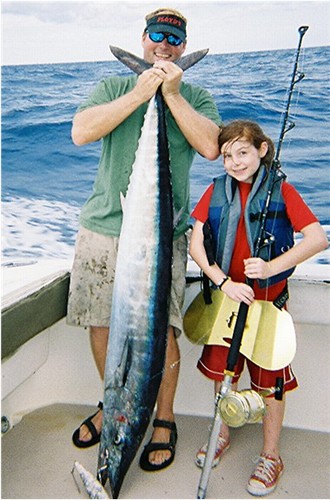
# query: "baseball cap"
[[167, 21]]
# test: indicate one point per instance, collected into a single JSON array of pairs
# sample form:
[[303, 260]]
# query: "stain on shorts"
[[92, 279]]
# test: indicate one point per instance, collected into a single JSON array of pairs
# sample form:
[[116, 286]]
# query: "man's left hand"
[[172, 77]]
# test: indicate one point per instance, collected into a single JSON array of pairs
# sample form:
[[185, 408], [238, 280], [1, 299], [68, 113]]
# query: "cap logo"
[[169, 20]]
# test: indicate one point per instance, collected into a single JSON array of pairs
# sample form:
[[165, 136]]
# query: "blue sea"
[[46, 179]]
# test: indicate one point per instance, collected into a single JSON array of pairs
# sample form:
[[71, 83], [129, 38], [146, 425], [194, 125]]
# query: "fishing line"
[[286, 122], [287, 118], [243, 308], [74, 478], [284, 117], [174, 364]]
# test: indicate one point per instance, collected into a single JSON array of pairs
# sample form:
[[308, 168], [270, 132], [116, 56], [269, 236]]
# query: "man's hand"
[[148, 83], [172, 76]]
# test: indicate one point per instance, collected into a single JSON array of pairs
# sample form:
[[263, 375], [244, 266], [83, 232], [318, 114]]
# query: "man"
[[114, 113]]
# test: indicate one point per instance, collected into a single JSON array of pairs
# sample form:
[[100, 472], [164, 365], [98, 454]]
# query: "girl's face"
[[242, 159]]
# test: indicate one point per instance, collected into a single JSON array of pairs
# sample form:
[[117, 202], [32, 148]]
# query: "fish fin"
[[126, 362], [191, 59], [121, 366], [139, 65], [122, 201], [177, 217], [132, 61]]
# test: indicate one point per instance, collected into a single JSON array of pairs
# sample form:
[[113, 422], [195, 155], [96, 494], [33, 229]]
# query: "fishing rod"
[[296, 78], [235, 345], [287, 125]]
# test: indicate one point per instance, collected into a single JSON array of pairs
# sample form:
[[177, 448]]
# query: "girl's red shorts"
[[213, 362]]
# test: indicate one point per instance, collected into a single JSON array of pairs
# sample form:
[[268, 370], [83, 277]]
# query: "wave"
[[46, 179], [45, 229], [38, 228]]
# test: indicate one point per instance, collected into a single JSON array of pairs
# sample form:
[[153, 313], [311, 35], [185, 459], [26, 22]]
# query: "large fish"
[[139, 318]]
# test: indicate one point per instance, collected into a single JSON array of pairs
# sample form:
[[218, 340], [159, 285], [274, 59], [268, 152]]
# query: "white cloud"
[[62, 31]]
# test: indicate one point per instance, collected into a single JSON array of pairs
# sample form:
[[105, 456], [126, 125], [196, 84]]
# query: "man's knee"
[[99, 337], [98, 331], [171, 337]]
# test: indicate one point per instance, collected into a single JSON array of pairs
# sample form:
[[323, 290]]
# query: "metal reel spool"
[[240, 408]]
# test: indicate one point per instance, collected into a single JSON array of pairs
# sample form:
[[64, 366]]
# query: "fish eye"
[[118, 439]]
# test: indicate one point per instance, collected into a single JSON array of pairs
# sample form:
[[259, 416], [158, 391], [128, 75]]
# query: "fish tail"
[[93, 487]]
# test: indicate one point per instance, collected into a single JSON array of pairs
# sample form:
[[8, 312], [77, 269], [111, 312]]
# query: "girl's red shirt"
[[298, 213]]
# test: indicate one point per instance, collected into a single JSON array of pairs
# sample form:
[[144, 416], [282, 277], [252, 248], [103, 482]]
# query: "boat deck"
[[38, 456]]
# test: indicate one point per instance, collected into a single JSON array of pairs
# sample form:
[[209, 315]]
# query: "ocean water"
[[46, 179]]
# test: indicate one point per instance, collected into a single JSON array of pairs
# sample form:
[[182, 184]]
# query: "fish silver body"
[[139, 317]]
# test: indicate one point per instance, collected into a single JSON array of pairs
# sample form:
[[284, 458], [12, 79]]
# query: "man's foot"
[[266, 475], [160, 451], [222, 446], [89, 432]]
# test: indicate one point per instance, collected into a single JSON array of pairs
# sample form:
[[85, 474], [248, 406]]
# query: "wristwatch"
[[222, 282]]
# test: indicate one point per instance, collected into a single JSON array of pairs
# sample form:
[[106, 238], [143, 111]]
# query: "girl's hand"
[[257, 268], [240, 292]]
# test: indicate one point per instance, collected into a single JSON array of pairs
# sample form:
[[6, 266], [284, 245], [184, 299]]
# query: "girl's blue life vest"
[[224, 213]]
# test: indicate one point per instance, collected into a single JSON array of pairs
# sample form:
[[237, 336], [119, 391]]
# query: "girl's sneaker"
[[266, 475], [222, 446]]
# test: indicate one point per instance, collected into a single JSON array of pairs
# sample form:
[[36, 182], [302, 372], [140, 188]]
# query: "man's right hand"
[[148, 83]]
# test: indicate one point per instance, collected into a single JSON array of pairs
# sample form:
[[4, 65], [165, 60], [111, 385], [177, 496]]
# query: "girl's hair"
[[251, 131]]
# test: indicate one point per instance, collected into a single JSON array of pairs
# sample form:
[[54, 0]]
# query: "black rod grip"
[[237, 336], [279, 388]]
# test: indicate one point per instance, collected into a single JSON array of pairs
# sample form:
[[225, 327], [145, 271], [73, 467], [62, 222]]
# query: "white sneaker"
[[222, 446], [266, 475]]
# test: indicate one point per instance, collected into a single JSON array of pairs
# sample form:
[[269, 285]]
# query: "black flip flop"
[[92, 429], [144, 459]]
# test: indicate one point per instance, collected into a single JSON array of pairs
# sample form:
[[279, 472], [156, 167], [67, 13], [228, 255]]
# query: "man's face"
[[161, 51]]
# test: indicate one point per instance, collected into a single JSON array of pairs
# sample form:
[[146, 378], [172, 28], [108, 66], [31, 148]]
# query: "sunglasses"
[[171, 39]]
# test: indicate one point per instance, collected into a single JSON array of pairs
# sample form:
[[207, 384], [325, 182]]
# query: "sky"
[[74, 31]]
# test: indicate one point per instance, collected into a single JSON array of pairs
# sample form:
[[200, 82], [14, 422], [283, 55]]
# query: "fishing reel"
[[238, 408]]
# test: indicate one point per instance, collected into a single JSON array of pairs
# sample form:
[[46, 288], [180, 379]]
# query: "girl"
[[231, 206]]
